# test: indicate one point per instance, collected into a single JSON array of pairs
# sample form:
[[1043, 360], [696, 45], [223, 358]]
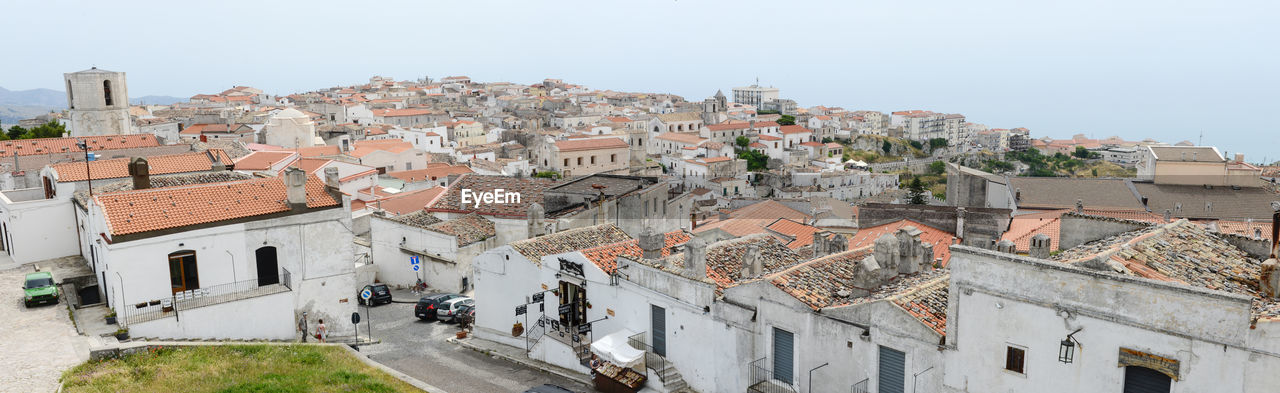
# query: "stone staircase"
[[672, 381]]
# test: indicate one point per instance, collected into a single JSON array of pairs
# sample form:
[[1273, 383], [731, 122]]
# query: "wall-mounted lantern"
[[1067, 351]]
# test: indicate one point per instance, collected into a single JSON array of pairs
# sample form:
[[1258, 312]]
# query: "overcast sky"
[[1166, 69]]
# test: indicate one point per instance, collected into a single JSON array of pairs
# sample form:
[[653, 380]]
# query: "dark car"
[[427, 305], [381, 294], [548, 388]]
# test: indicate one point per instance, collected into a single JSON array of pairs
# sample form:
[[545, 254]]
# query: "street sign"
[[584, 328], [537, 297], [564, 308], [520, 309], [416, 267], [365, 294], [413, 259], [355, 317]]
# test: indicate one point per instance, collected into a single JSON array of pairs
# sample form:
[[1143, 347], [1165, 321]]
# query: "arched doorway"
[[268, 268], [1139, 379]]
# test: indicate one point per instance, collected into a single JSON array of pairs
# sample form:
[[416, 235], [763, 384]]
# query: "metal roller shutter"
[[893, 376], [1144, 380], [783, 355]]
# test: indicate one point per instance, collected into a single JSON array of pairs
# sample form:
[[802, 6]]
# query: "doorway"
[[1139, 379], [183, 274], [268, 268]]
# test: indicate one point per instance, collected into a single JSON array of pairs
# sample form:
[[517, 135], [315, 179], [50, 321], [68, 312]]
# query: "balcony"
[[762, 379], [186, 300]]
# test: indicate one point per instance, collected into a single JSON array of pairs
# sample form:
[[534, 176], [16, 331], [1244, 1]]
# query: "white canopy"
[[614, 348]]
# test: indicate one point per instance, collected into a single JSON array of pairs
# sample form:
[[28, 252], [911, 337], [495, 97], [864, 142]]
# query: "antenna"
[[1201, 141]]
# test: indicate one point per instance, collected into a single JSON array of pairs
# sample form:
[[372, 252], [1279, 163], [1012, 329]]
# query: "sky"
[[1165, 69]]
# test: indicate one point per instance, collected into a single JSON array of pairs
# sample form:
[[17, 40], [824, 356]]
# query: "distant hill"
[[156, 100], [24, 104], [33, 97]]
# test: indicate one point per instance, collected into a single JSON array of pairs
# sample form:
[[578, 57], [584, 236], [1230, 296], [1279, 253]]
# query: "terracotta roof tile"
[[432, 172], [606, 256], [409, 202], [263, 160], [529, 189], [30, 147], [570, 240], [591, 144], [158, 165], [941, 240], [154, 209]]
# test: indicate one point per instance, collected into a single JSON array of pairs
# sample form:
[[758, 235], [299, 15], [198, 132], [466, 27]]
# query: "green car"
[[39, 288]]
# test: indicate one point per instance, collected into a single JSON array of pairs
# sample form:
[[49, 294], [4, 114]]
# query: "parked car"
[[38, 288], [452, 307], [548, 388], [427, 305], [381, 294]]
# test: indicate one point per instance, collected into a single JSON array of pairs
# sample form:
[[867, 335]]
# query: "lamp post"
[[809, 386], [85, 146]]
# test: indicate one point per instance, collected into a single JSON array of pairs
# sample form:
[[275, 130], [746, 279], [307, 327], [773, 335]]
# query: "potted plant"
[[111, 317], [122, 334]]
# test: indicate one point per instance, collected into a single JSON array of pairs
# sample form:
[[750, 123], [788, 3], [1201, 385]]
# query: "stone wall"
[[1257, 248], [981, 225], [1080, 229]]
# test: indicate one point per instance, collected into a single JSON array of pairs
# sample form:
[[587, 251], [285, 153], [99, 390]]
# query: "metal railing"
[[201, 297], [762, 379], [861, 387], [652, 360]]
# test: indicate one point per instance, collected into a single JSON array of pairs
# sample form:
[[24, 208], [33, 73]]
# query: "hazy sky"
[[1166, 69]]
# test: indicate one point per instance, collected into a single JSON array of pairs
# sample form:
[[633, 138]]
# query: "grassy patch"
[[234, 369]]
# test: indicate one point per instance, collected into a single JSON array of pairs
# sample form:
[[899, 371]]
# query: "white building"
[[240, 260], [443, 249], [754, 95], [291, 129]]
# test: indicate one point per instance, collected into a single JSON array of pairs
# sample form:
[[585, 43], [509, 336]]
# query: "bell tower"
[[98, 101]]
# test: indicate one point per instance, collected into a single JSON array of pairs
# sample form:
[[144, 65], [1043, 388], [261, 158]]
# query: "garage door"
[[892, 376], [1145, 380]]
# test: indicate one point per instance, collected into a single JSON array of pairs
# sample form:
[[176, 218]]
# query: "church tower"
[[99, 102], [714, 108]]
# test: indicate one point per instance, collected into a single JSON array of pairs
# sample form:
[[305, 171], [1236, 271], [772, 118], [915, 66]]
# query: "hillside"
[[16, 105]]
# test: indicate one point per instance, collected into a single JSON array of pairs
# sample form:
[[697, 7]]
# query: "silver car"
[[449, 309]]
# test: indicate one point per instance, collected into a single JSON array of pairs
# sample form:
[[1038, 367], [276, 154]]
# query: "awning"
[[614, 348]]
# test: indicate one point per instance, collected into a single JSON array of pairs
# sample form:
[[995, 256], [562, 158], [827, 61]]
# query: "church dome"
[[290, 113]]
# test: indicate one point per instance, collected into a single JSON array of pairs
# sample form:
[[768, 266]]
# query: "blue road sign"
[[366, 294], [415, 268], [413, 259]]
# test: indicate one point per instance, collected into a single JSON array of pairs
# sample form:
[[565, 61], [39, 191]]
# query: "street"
[[418, 348], [36, 344]]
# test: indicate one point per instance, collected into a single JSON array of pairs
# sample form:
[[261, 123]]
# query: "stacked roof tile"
[[31, 147], [570, 240], [606, 256], [529, 189], [157, 165], [940, 239]]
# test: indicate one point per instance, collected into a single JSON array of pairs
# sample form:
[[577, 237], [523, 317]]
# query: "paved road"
[[36, 344], [419, 349]]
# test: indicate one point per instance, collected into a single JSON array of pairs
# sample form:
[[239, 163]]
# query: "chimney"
[[751, 264], [1006, 247], [141, 173], [960, 214], [1079, 206], [295, 182], [1017, 195], [1240, 157], [1041, 246], [536, 215], [695, 257], [693, 221], [331, 177], [885, 252], [651, 243]]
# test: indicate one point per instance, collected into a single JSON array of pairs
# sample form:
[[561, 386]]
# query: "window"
[[1013, 359], [579, 160], [71, 98], [106, 91], [566, 162], [183, 274], [613, 158], [593, 160]]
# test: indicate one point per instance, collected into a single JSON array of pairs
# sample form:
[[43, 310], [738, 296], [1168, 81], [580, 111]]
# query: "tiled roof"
[[82, 196], [591, 144], [1180, 252], [571, 240], [529, 189], [467, 229], [817, 282], [768, 209], [941, 240], [317, 151], [686, 138], [410, 201], [32, 147], [794, 130], [725, 258], [1245, 228], [1199, 202], [606, 256], [433, 171], [420, 219], [926, 301], [680, 116], [364, 148], [263, 160], [157, 165], [801, 234], [1025, 226], [164, 208]]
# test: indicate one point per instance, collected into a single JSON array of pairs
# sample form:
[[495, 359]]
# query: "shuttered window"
[[1013, 359], [783, 355], [893, 365], [1145, 380]]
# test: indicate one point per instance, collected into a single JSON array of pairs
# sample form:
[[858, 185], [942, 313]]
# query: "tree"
[[742, 141], [52, 129], [756, 161], [937, 167], [886, 147], [547, 175], [827, 140], [937, 143], [16, 132], [916, 191], [916, 144], [1081, 152], [787, 120]]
